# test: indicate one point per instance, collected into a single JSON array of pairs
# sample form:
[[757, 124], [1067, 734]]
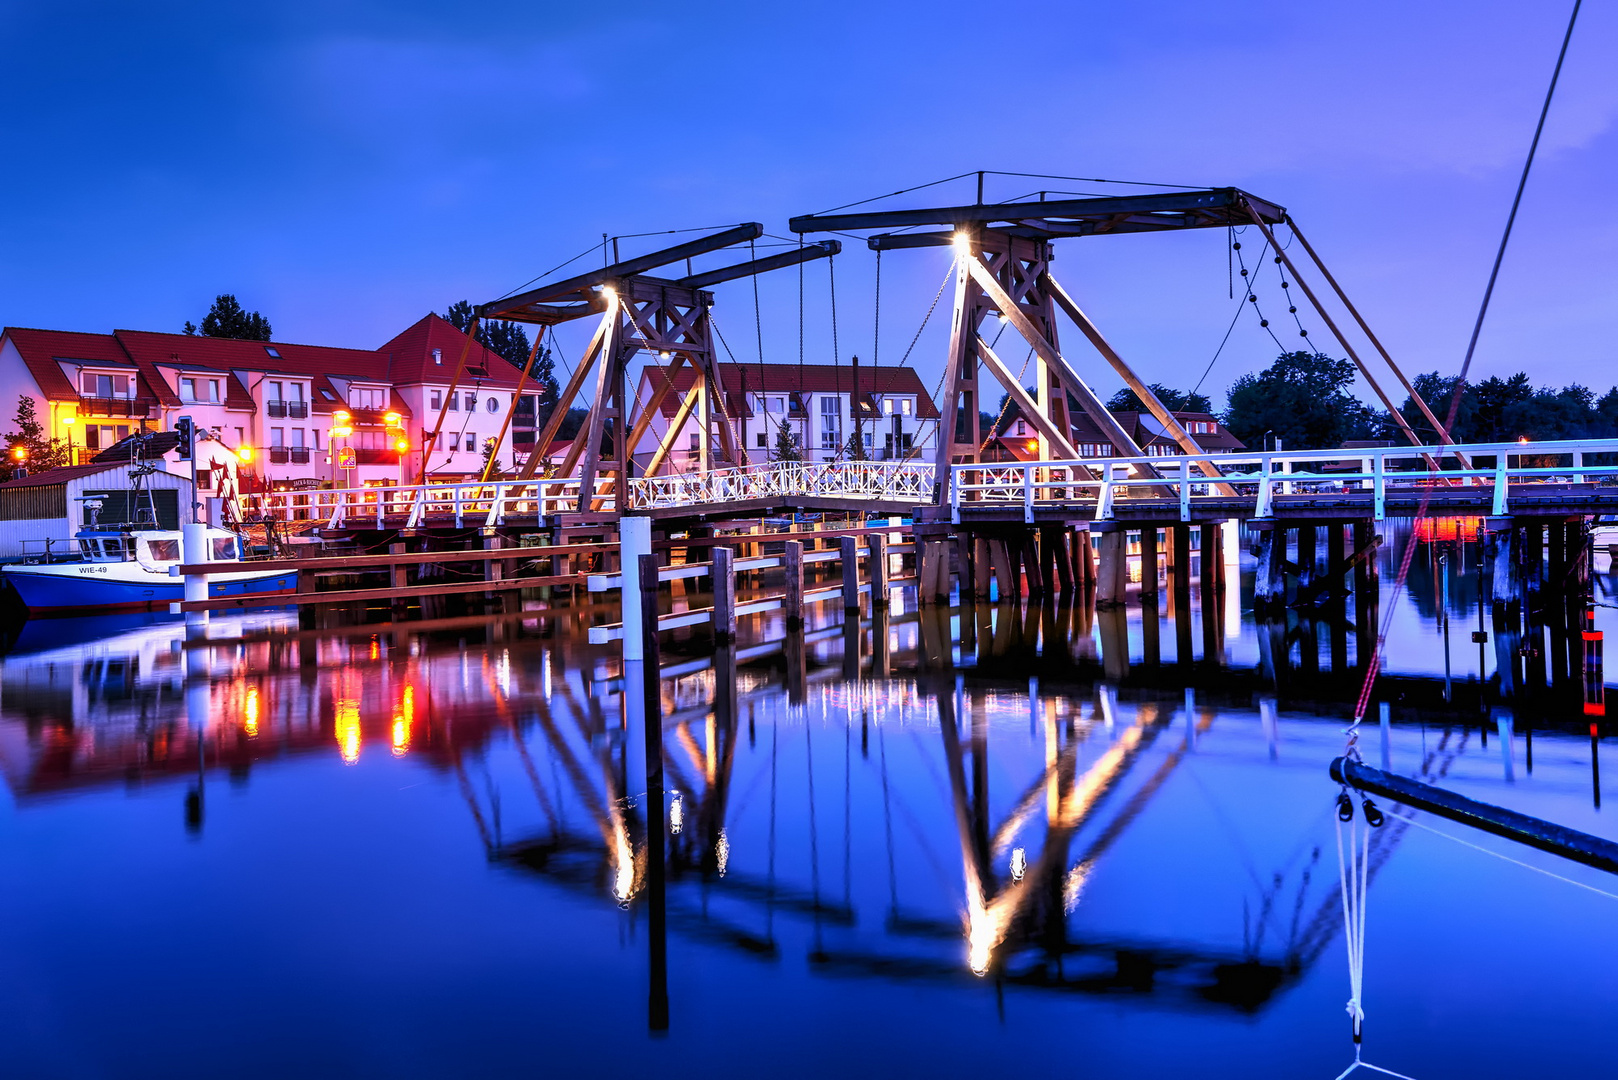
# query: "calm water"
[[417, 851]]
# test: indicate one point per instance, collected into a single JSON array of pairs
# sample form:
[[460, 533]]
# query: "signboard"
[[345, 458]]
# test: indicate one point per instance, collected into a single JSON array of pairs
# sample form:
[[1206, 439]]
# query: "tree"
[[1126, 400], [786, 445], [506, 340], [226, 319], [43, 451], [1301, 399], [489, 447]]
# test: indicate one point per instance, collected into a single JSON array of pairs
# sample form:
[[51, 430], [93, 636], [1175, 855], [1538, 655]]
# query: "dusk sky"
[[344, 167]]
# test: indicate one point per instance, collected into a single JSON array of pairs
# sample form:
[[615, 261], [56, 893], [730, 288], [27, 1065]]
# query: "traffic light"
[[184, 428]]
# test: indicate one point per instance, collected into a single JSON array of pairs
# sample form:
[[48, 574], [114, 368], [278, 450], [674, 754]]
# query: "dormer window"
[[103, 386], [438, 356], [273, 351]]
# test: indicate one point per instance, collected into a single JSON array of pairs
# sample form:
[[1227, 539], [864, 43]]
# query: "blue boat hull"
[[62, 595]]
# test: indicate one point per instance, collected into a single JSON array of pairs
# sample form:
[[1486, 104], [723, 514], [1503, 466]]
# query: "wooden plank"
[[364, 563], [346, 596]]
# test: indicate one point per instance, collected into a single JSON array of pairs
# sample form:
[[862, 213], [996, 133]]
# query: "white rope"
[[1506, 858], [1354, 876]]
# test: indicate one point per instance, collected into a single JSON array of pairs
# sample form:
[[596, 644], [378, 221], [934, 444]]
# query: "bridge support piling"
[[634, 540], [1148, 561], [793, 604], [1151, 644], [879, 570], [1084, 560], [848, 548], [1112, 577], [1336, 560], [1211, 563], [1307, 536], [982, 569], [1000, 558], [1063, 558], [1268, 584], [1182, 570], [724, 594]]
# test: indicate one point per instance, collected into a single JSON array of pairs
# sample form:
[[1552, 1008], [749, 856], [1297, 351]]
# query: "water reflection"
[[1049, 802]]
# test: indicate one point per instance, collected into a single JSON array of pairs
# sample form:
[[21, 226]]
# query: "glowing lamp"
[[341, 416], [1033, 446], [70, 419], [393, 419], [666, 355], [19, 453], [401, 445], [245, 453], [341, 432], [963, 243]]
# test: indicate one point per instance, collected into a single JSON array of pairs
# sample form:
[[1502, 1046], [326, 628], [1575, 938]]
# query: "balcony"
[[365, 456], [279, 455], [295, 455], [369, 416], [137, 408], [297, 410]]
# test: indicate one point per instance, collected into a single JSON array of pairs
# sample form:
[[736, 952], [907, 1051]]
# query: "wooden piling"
[[1112, 576], [982, 569], [1148, 561], [1057, 538], [1269, 587], [1307, 556], [793, 563], [724, 594], [1005, 582], [1182, 569], [878, 562], [1210, 559], [848, 548]]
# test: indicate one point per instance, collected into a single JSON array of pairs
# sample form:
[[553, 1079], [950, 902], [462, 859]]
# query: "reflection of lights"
[[376, 649], [401, 736], [721, 852], [250, 712], [623, 878], [347, 718], [407, 705], [1019, 864], [1073, 885], [980, 945], [677, 814]]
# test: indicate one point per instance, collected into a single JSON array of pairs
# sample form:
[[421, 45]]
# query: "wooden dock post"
[[1148, 561], [1005, 580], [1084, 560], [1182, 570], [982, 570], [724, 594], [1269, 586], [1211, 560], [878, 563], [1307, 535], [1112, 577], [848, 548], [1336, 559], [793, 562]]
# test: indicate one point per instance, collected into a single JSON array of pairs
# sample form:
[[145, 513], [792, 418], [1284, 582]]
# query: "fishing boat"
[[128, 566], [123, 569]]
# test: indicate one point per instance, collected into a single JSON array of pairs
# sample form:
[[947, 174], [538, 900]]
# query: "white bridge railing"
[[906, 481], [1100, 484], [488, 504]]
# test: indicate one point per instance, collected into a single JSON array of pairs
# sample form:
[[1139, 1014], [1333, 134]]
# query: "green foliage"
[[43, 452], [489, 446], [571, 425], [1126, 400], [1301, 399], [1505, 410], [786, 445], [507, 340], [226, 319]]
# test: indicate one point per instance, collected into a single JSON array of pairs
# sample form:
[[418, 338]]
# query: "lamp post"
[[68, 421]]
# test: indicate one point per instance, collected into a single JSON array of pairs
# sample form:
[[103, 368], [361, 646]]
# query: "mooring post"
[[1182, 568], [848, 547], [1113, 574], [194, 549], [643, 570], [1307, 535], [1269, 559], [634, 540], [878, 563], [1148, 560], [724, 594], [793, 562], [982, 569], [1210, 561]]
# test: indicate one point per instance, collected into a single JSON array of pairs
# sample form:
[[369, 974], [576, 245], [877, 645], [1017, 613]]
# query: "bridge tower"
[[669, 317]]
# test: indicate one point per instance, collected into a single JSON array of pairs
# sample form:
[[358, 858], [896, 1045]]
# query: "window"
[[278, 436], [471, 400], [241, 436], [294, 391], [778, 404], [493, 404], [213, 389], [327, 394], [369, 440], [297, 436], [315, 432], [887, 406], [224, 547], [1022, 427], [164, 550], [368, 397], [763, 440], [437, 399], [454, 403], [188, 389], [906, 406], [438, 356], [471, 441], [695, 442], [105, 386], [272, 351], [272, 391]]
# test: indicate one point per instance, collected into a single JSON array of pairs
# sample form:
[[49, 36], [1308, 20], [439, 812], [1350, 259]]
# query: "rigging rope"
[[1354, 874]]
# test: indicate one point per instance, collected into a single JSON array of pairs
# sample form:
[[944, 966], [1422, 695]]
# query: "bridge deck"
[[1527, 500]]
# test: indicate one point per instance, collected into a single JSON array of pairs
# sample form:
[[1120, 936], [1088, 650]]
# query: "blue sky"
[[344, 167]]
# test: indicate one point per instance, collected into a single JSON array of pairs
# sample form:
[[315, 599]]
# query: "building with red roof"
[[816, 403], [277, 412]]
